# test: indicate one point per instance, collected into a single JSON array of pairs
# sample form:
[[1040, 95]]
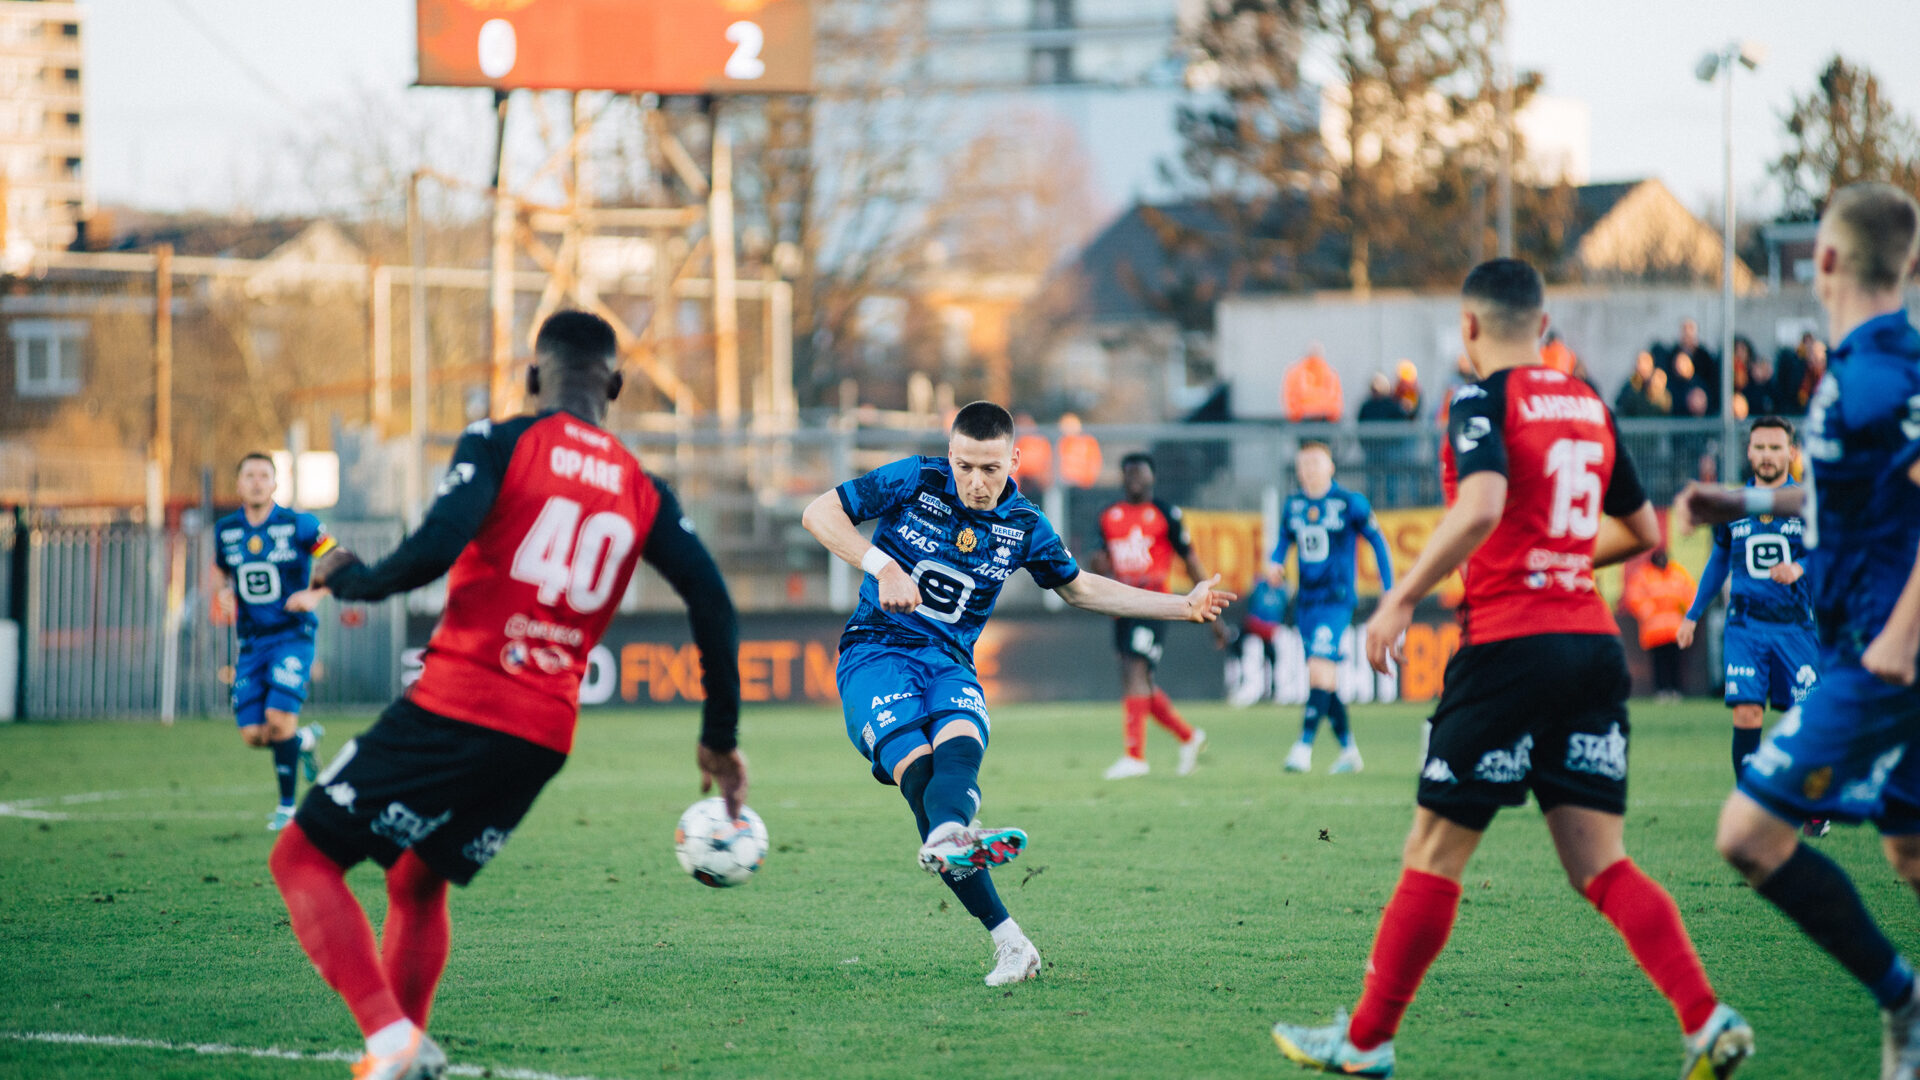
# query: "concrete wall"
[[1260, 337]]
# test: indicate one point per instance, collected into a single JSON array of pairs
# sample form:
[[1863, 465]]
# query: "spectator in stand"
[[1036, 455], [1657, 594], [1312, 389], [1380, 403], [1683, 384], [1580, 371], [1764, 395], [1702, 367], [1645, 391], [1695, 404], [1407, 389], [1556, 355]]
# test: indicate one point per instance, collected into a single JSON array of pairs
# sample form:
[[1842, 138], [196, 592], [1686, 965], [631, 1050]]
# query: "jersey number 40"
[[563, 555]]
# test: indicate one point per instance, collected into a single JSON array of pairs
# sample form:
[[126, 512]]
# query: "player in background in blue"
[[1325, 521], [266, 553], [1770, 648], [1847, 752], [949, 533]]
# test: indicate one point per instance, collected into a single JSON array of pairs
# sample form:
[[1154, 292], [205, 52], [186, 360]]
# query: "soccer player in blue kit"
[[1325, 521], [1845, 752], [1770, 647], [266, 552], [949, 533]]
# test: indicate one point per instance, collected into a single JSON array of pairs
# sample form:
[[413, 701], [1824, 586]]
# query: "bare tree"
[[1842, 132]]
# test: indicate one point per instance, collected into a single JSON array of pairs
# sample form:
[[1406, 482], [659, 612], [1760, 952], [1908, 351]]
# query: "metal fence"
[[119, 622]]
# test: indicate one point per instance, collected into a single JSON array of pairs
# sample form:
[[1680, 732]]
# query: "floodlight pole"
[[500, 291], [160, 452], [726, 307], [1729, 458], [417, 390]]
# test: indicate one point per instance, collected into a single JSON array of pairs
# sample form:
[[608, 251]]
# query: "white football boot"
[[954, 846], [1900, 1041], [1127, 768], [1300, 758], [1014, 960], [421, 1060], [1348, 761], [1190, 753]]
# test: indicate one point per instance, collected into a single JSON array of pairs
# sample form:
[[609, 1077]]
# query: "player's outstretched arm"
[[466, 495], [1382, 554], [1890, 655], [1621, 538], [827, 520], [1710, 504], [1475, 513], [1105, 596]]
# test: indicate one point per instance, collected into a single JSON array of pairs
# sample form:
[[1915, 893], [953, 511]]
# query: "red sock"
[[1413, 930], [333, 929], [1137, 710], [415, 940], [1163, 711], [1647, 917]]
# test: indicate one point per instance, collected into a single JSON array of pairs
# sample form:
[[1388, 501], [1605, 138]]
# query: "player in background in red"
[[539, 524], [1140, 537], [1539, 494]]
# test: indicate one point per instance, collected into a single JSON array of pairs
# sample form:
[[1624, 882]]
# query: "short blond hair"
[[1876, 231]]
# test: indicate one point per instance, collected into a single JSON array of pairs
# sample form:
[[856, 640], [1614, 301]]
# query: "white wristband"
[[875, 561], [1757, 501]]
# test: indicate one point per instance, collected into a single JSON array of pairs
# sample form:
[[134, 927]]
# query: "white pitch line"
[[30, 809], [65, 1038]]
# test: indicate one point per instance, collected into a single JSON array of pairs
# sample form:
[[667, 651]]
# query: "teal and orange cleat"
[[953, 846], [1328, 1049], [1718, 1048]]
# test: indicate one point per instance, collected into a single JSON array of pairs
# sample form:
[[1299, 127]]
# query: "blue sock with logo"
[[1317, 707], [953, 794], [1745, 742], [1337, 719], [286, 756], [1814, 892], [974, 888]]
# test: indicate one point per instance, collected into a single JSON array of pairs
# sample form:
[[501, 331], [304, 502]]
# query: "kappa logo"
[[404, 827], [481, 849], [1601, 755], [459, 474], [1439, 772], [342, 794], [1506, 766], [1475, 429]]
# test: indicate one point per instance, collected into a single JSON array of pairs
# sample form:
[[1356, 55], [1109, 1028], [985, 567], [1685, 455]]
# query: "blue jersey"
[[1863, 433], [1749, 549], [268, 563], [959, 557], [1327, 530]]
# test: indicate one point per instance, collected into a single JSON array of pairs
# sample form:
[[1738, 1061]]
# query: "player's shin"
[[1818, 895], [333, 930], [953, 792], [974, 889], [1169, 717], [1337, 719], [417, 935], [1413, 930], [286, 758], [1745, 742], [1137, 707], [1646, 916]]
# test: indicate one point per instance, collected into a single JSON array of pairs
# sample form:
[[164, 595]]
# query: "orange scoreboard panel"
[[633, 46]]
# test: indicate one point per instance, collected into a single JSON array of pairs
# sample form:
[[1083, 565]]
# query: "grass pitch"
[[1178, 917]]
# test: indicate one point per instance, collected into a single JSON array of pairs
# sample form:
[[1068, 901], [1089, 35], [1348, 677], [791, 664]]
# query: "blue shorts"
[[1775, 663], [1842, 754], [271, 675], [1322, 626], [896, 698]]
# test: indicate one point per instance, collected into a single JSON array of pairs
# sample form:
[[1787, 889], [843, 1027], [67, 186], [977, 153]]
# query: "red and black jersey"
[[1553, 439], [542, 520], [1142, 540]]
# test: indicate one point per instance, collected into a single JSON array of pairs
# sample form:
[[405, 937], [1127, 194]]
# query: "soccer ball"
[[716, 851]]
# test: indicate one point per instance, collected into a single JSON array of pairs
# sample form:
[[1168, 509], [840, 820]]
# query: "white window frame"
[[64, 339]]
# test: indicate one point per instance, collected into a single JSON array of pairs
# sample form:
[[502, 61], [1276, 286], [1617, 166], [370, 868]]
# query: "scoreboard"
[[631, 46]]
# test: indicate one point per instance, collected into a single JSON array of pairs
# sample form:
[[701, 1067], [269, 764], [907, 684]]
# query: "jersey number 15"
[[1576, 488], [564, 555]]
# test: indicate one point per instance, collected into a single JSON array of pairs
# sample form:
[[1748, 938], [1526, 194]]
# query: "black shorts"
[[1546, 713], [450, 790], [1137, 637]]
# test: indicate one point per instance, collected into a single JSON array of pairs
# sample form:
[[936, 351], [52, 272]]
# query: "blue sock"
[[974, 889], [1337, 719], [953, 794], [286, 755], [1814, 892], [1745, 742], [1317, 707]]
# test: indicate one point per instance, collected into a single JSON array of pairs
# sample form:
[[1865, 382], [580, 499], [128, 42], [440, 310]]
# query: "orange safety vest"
[[1312, 391], [1080, 460], [1658, 599], [1036, 462], [1557, 356]]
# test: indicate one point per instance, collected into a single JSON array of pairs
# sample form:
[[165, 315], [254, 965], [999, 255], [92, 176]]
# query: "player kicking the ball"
[[265, 554], [1847, 752], [1141, 536], [1324, 521], [950, 532], [1539, 495], [539, 524]]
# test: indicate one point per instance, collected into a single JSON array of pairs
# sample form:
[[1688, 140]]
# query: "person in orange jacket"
[[1311, 390], [1657, 594]]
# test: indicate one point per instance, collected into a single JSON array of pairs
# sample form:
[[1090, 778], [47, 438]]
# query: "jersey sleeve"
[[1377, 540], [867, 497], [1285, 541], [310, 535], [1715, 573], [680, 557], [1624, 492], [465, 497], [1475, 430], [1177, 536], [1048, 561]]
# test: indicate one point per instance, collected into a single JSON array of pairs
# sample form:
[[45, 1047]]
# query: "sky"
[[194, 103]]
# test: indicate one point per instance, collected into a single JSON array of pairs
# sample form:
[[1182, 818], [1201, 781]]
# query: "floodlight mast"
[[1714, 65]]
